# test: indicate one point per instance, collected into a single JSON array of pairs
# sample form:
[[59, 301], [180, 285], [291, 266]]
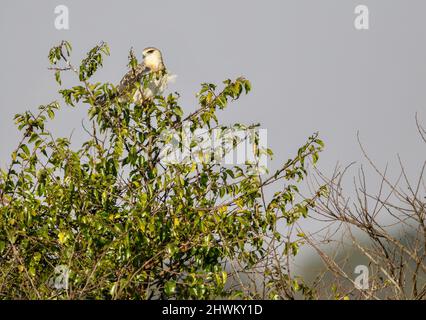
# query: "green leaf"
[[58, 77], [26, 150], [170, 287]]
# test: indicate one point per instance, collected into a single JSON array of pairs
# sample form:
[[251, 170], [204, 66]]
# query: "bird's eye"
[[150, 51]]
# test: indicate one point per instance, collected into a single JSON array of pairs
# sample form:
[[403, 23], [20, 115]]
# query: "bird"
[[151, 74]]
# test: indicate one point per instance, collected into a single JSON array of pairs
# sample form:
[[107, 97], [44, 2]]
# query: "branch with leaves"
[[126, 225]]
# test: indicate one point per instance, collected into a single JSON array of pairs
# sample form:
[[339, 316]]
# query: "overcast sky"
[[310, 68]]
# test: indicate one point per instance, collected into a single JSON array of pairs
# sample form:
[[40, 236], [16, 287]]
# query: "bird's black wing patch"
[[127, 83], [132, 77]]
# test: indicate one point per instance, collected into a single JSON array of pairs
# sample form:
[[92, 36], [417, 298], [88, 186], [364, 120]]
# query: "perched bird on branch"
[[143, 81]]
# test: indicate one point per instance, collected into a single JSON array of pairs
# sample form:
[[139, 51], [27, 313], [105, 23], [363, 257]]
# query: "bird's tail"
[[171, 78]]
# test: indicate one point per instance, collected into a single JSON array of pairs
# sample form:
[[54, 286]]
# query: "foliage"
[[125, 224]]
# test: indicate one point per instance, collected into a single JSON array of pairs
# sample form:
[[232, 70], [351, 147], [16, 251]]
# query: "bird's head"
[[153, 59]]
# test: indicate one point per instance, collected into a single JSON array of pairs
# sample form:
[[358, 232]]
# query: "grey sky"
[[310, 69]]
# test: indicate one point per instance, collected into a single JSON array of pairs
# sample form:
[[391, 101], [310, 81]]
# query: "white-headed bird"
[[145, 81]]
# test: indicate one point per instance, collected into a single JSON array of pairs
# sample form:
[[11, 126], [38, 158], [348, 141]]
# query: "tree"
[[123, 222], [385, 229]]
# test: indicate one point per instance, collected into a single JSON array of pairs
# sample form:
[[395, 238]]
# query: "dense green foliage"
[[125, 224]]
